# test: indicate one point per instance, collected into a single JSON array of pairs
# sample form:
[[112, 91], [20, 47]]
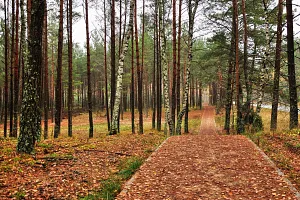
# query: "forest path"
[[207, 166]]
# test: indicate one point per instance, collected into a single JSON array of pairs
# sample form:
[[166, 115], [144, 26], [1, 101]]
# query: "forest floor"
[[78, 167], [207, 166]]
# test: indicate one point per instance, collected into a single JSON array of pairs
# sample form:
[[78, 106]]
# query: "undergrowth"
[[111, 187]]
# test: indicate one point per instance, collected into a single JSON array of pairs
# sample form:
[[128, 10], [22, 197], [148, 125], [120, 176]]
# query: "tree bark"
[[30, 123], [291, 67], [192, 13], [139, 74], [112, 58], [132, 86], [105, 71], [168, 118], [277, 67], [58, 86], [6, 70], [121, 71], [70, 68], [12, 59], [46, 80], [88, 65], [178, 59]]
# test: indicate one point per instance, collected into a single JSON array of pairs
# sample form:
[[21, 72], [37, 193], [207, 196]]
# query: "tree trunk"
[[16, 75], [70, 69], [91, 130], [173, 105], [139, 74], [192, 13], [291, 67], [277, 67], [178, 59], [30, 123], [105, 71], [154, 103], [112, 59], [58, 86], [6, 70], [240, 126], [46, 81], [158, 51], [12, 59], [265, 60], [132, 86], [246, 68], [121, 71], [168, 118]]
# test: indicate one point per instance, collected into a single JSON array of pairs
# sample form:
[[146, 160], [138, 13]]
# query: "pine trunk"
[[91, 129], [58, 86], [105, 71], [277, 67], [174, 84], [30, 123], [46, 81], [6, 70], [291, 67]]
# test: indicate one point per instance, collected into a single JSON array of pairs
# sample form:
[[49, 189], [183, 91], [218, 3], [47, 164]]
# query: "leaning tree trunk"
[[192, 13], [88, 63], [168, 117], [114, 124], [30, 124], [58, 86], [277, 67], [291, 67]]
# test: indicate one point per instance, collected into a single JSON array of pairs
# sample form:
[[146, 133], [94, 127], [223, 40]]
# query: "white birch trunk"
[[114, 124]]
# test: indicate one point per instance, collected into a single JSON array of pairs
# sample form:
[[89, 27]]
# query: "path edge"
[[132, 179], [279, 172]]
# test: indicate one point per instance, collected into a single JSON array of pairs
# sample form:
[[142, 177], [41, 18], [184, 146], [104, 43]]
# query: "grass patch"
[[129, 167], [45, 145], [111, 187]]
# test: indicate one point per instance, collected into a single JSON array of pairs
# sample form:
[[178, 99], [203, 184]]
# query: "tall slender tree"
[[174, 85], [70, 68], [139, 73], [178, 58], [58, 86], [192, 13], [91, 130], [275, 96], [16, 75], [112, 57], [121, 70], [6, 69], [105, 70], [30, 123], [12, 56], [291, 66], [46, 79]]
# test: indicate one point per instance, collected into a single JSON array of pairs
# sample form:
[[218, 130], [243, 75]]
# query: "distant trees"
[[169, 68]]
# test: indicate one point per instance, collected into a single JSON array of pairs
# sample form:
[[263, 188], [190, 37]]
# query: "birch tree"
[[114, 124], [192, 12]]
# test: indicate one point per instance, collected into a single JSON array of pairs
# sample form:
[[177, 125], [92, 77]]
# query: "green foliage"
[[129, 167], [20, 195], [257, 124]]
